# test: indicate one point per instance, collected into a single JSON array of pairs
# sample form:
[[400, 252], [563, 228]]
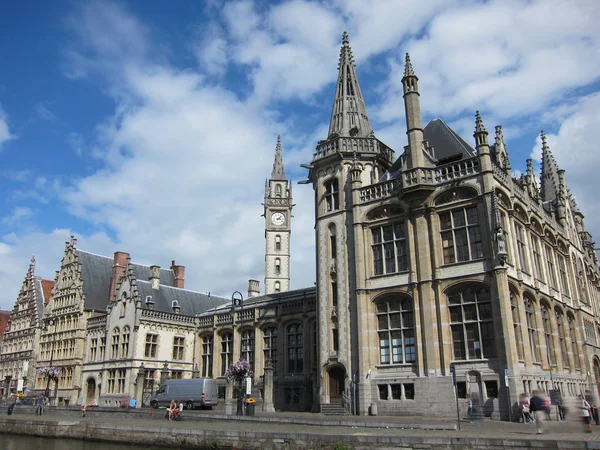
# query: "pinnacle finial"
[[32, 259], [408, 68], [278, 172], [544, 141], [479, 123], [345, 38]]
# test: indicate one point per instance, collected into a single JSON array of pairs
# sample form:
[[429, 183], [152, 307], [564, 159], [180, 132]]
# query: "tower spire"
[[349, 115], [412, 107], [549, 179], [278, 172], [408, 68]]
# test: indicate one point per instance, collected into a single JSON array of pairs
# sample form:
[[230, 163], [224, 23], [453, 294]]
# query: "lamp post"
[[49, 323], [237, 300]]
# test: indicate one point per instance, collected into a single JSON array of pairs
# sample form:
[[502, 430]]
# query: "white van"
[[192, 392]]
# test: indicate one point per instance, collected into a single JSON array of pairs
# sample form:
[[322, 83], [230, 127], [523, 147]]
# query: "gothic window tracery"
[[295, 348], [396, 330], [207, 356]]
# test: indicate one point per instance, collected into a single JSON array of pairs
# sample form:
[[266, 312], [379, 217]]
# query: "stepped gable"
[[96, 271], [446, 142], [190, 302]]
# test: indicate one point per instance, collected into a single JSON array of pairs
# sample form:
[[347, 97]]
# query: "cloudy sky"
[[150, 127]]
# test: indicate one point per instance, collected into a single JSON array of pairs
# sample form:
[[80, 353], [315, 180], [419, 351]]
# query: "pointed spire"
[[549, 179], [500, 149], [479, 126], [408, 68], [278, 172], [480, 134], [349, 115]]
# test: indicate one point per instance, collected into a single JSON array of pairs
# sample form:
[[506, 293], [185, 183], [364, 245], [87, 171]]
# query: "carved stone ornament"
[[386, 211], [455, 195], [500, 239]]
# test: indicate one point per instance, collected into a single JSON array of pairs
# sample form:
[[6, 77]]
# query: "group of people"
[[540, 408], [174, 411]]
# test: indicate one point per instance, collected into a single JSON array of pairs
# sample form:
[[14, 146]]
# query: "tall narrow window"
[[396, 330], [93, 349], [151, 344], [125, 343], [560, 325], [112, 375], [121, 374], [178, 347], [506, 228], [277, 266], [102, 350], [531, 330], [333, 246], [277, 190], [207, 356], [226, 351], [514, 305], [573, 341], [546, 325], [332, 195], [562, 270], [334, 298], [550, 266], [277, 286], [521, 247], [277, 242], [537, 257], [580, 277], [389, 249], [270, 344], [471, 323], [295, 348], [461, 235], [247, 348], [115, 344]]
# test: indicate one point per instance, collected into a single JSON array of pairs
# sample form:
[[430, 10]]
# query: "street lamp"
[[237, 300], [49, 323]]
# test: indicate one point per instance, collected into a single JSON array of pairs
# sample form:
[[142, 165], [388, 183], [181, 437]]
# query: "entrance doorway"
[[337, 375], [91, 390]]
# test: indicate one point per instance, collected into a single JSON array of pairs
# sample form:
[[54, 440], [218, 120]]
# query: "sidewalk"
[[269, 429]]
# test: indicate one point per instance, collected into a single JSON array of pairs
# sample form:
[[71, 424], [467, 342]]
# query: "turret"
[[483, 151], [412, 108], [500, 149]]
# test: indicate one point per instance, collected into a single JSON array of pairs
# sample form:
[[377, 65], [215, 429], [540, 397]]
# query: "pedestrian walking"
[[39, 405], [524, 408], [539, 410], [586, 414]]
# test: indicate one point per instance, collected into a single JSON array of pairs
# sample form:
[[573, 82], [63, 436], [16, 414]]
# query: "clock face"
[[277, 218]]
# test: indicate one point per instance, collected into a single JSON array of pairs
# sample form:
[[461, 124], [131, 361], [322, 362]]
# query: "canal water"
[[18, 442]]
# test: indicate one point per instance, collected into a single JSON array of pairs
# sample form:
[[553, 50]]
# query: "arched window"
[[277, 266], [396, 329], [270, 344], [207, 356], [471, 323], [295, 348], [560, 325], [547, 326], [277, 242], [114, 348], [277, 190], [332, 195], [573, 341], [277, 286], [531, 329], [461, 235], [226, 351], [514, 306], [247, 348], [125, 342]]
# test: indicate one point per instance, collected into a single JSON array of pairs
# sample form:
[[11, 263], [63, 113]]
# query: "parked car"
[[192, 392]]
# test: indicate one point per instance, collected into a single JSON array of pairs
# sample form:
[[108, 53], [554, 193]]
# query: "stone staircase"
[[333, 409]]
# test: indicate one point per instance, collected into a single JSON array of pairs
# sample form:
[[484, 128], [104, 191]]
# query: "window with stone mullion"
[[207, 356], [531, 330], [396, 332], [562, 268], [389, 249], [461, 235], [295, 348], [247, 348], [270, 345], [550, 266], [226, 352]]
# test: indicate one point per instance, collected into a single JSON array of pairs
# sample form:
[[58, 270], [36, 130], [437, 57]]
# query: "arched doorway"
[[337, 374], [91, 390], [474, 387], [597, 374]]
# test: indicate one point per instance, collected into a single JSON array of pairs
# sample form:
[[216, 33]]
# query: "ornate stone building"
[[442, 261], [19, 353]]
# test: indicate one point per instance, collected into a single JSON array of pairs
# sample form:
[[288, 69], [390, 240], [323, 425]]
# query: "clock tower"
[[278, 226]]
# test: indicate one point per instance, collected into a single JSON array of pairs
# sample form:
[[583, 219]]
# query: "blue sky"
[[150, 127]]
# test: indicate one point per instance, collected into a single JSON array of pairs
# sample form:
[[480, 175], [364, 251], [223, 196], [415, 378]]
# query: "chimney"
[[120, 260], [155, 276], [253, 288], [179, 272]]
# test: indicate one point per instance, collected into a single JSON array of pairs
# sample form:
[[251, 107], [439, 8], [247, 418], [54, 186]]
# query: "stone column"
[[228, 397], [268, 388], [164, 373], [139, 386]]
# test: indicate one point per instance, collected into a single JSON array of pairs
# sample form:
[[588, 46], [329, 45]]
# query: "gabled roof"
[[446, 142], [96, 271], [190, 302], [47, 286]]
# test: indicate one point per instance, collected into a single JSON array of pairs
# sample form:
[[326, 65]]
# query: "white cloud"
[[18, 215], [5, 134]]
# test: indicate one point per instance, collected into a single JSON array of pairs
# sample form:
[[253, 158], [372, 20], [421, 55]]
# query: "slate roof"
[[190, 302], [96, 271], [445, 141], [143, 273], [40, 299]]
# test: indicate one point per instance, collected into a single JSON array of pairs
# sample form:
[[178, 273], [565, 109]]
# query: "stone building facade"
[[18, 353], [441, 261]]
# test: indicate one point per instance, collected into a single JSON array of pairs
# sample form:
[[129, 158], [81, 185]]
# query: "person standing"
[[536, 405], [585, 413], [39, 405], [524, 408]]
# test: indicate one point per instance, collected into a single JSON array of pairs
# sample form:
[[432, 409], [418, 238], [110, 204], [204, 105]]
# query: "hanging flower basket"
[[238, 371], [49, 371]]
